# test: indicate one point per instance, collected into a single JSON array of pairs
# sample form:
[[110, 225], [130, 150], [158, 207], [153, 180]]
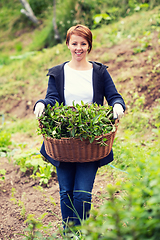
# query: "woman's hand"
[[118, 111], [39, 109]]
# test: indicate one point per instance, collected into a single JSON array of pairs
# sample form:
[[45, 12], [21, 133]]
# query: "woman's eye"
[[82, 44]]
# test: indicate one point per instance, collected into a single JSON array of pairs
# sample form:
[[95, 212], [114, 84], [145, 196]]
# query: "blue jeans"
[[76, 183]]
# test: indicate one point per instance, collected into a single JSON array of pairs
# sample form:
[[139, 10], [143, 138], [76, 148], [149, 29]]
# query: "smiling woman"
[[81, 31], [75, 81], [79, 48], [79, 42]]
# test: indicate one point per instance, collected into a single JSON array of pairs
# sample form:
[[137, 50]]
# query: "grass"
[[130, 27], [22, 126]]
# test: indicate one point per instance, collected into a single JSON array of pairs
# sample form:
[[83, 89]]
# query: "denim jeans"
[[76, 183]]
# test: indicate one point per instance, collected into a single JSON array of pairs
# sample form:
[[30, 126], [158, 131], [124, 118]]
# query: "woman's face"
[[78, 47]]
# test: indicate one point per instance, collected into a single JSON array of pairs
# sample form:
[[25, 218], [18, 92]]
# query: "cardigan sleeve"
[[111, 94], [52, 94]]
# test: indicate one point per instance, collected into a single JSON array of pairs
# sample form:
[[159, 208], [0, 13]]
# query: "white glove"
[[118, 111], [39, 109]]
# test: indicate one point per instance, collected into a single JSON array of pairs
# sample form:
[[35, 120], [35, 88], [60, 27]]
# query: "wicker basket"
[[75, 150]]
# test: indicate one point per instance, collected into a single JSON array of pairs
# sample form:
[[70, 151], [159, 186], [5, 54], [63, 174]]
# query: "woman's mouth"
[[78, 53]]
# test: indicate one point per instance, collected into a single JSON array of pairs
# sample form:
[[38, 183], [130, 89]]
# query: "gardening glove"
[[39, 109], [118, 111]]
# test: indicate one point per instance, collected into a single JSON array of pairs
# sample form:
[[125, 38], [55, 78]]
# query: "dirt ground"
[[37, 201], [132, 73]]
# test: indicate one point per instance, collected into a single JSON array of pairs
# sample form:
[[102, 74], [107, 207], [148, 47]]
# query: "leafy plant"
[[5, 141], [29, 160], [23, 209], [2, 174], [86, 121], [145, 42], [33, 162], [45, 173], [35, 229], [39, 6], [101, 18], [134, 214], [13, 199]]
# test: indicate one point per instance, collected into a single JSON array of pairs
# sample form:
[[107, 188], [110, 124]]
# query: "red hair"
[[81, 31]]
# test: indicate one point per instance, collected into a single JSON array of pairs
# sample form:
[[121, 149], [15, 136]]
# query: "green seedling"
[[2, 174]]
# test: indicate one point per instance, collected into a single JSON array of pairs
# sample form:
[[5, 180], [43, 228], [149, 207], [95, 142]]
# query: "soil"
[[20, 190], [142, 69]]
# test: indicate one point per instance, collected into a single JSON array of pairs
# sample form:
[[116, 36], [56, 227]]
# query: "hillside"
[[130, 48], [131, 53]]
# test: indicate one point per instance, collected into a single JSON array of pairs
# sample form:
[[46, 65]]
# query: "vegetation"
[[92, 13], [85, 121], [134, 214], [130, 208]]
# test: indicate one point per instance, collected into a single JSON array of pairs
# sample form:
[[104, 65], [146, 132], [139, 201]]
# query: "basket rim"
[[71, 138]]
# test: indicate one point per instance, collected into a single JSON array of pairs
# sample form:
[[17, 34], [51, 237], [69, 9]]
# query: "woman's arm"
[[111, 94], [52, 94]]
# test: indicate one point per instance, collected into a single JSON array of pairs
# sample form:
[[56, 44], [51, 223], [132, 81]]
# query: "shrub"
[[39, 6], [135, 213], [4, 138]]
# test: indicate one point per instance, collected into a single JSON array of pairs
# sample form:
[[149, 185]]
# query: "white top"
[[77, 85]]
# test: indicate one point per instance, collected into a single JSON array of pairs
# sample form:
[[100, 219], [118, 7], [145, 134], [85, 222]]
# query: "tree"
[[28, 12], [56, 36]]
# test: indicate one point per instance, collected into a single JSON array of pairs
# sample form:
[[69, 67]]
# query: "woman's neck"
[[82, 66]]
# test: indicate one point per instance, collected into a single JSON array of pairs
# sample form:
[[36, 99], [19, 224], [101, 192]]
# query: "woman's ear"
[[68, 46]]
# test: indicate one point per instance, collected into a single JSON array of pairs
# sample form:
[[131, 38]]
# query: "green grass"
[[130, 27], [22, 126]]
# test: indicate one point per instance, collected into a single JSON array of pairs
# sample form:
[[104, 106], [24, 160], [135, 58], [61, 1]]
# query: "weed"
[[23, 209], [5, 141], [29, 160], [13, 191], [45, 173], [35, 229], [39, 188], [52, 200], [2, 174], [135, 213], [145, 42]]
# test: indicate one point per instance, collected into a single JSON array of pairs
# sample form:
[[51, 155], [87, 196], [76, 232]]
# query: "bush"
[[4, 139], [39, 6], [135, 213]]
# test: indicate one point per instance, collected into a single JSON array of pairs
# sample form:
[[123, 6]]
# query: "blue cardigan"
[[103, 86]]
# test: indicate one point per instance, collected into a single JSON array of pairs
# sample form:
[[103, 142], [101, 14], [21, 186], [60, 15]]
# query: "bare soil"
[[20, 188], [132, 73]]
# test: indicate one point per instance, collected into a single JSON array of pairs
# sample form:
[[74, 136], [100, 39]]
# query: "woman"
[[76, 80]]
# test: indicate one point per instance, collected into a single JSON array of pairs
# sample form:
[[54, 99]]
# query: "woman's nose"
[[79, 46]]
